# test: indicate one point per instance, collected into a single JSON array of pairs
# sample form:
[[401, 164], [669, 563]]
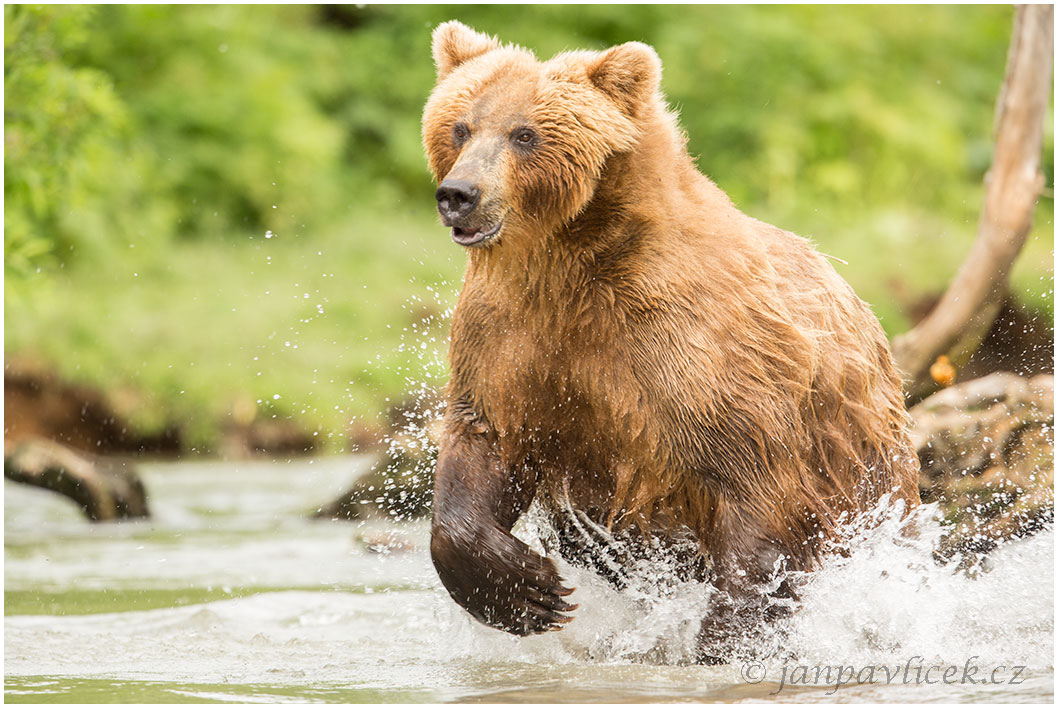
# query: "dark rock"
[[400, 485]]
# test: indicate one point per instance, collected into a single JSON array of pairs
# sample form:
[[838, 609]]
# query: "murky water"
[[232, 594]]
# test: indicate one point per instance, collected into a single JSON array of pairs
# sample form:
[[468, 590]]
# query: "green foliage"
[[149, 148], [228, 99], [55, 114]]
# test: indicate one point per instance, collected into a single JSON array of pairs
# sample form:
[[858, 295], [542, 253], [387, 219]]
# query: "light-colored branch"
[[963, 316]]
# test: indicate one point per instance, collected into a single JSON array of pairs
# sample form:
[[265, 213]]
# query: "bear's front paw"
[[500, 581]]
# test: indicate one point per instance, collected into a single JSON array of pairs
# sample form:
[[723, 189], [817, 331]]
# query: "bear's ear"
[[629, 73], [455, 43]]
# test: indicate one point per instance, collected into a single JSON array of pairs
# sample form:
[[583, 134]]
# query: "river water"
[[231, 593]]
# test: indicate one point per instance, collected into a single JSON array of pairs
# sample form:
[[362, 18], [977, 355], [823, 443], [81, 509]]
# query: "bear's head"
[[516, 145]]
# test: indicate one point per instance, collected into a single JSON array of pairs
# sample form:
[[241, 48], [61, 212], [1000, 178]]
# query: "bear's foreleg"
[[496, 577]]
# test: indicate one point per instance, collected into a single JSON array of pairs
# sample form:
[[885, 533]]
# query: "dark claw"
[[548, 616]]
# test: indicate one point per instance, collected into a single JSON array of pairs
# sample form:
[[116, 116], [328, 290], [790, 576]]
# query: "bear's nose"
[[456, 199]]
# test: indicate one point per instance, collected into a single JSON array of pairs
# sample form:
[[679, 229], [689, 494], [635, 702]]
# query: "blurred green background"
[[209, 207]]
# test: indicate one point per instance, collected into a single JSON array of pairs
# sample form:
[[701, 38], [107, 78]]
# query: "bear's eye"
[[460, 133], [524, 137]]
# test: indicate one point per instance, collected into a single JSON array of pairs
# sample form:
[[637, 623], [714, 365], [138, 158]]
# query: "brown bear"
[[632, 352]]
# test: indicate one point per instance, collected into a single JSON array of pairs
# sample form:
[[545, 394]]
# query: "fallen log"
[[987, 453], [105, 489]]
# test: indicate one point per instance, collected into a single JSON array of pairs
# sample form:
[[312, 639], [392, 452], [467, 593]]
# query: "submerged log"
[[105, 489], [987, 453]]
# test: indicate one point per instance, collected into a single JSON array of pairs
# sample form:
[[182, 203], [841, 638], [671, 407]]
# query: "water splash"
[[890, 600], [885, 600]]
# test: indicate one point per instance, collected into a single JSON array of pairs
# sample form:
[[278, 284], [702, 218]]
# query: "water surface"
[[231, 593]]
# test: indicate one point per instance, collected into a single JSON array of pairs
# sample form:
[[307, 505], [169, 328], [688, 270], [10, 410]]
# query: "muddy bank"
[[39, 404]]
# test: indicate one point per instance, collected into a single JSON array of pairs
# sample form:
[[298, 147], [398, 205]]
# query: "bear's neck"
[[640, 190]]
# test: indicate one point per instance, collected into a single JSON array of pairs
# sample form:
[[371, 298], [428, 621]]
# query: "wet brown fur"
[[634, 347]]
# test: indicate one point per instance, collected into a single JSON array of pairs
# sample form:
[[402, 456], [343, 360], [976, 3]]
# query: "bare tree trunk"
[[958, 323]]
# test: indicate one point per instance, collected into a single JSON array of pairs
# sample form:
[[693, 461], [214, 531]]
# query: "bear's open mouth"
[[471, 237]]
